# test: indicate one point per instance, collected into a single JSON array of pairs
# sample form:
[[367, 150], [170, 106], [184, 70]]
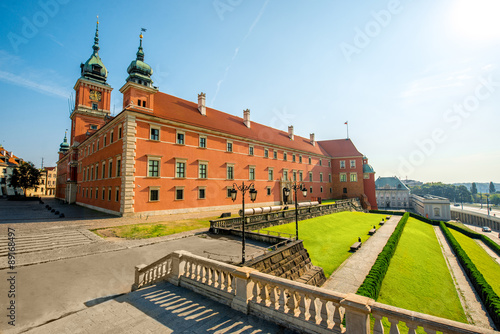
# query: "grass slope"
[[488, 267], [145, 231], [418, 278], [328, 238]]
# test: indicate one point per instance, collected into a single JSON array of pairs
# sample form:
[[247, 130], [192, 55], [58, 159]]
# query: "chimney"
[[201, 104], [290, 132], [246, 117], [312, 139]]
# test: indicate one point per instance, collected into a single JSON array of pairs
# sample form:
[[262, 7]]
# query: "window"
[[294, 176], [117, 194], [118, 167], [300, 159], [310, 176], [203, 142], [98, 143], [201, 193], [154, 194], [180, 138], [329, 177], [109, 194], [301, 176], [320, 177], [321, 189], [251, 173], [103, 193], [154, 167], [285, 156], [179, 193], [110, 169], [111, 138], [310, 190], [285, 174], [329, 163], [293, 158], [94, 106], [310, 160], [353, 163], [202, 170], [342, 163], [229, 146], [180, 169], [96, 193], [436, 212], [268, 191], [154, 133], [354, 177], [343, 177], [330, 190], [120, 132], [275, 154], [228, 192], [89, 196], [91, 173], [270, 174], [93, 127], [104, 144], [266, 153], [321, 162], [230, 172]]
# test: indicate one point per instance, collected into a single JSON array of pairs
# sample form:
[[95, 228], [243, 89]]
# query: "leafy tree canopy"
[[452, 192], [25, 176], [473, 188], [492, 188]]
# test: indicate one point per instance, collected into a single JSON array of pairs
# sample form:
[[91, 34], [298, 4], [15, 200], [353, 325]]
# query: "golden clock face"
[[95, 96]]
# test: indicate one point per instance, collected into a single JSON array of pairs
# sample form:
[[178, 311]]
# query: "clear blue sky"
[[418, 81]]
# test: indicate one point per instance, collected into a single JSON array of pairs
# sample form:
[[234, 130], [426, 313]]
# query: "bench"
[[388, 217], [381, 222], [225, 214], [355, 246], [372, 231]]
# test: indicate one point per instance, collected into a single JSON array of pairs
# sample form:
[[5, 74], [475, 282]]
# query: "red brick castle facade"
[[162, 154]]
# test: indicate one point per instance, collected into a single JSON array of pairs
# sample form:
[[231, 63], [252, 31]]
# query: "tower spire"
[[140, 51], [96, 38]]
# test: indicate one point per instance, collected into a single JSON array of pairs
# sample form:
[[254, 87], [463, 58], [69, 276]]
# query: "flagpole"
[[347, 123]]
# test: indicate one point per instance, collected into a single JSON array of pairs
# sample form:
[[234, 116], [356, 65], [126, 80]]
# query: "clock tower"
[[92, 97]]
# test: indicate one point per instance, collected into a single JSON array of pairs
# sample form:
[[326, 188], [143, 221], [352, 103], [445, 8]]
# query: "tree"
[[473, 188], [463, 194], [492, 188], [25, 176]]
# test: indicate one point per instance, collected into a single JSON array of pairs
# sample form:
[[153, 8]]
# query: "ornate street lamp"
[[295, 188], [253, 195]]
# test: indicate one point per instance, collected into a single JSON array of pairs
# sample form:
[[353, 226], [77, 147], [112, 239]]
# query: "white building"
[[432, 207], [8, 161], [392, 193]]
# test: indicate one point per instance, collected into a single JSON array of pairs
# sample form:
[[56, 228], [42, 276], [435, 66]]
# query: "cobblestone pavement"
[[351, 274], [471, 303], [163, 308]]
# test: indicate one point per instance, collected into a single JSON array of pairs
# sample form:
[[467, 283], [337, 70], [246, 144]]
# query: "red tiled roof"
[[176, 109], [339, 148]]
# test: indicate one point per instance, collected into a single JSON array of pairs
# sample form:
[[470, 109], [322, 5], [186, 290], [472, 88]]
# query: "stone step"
[[36, 248], [22, 242]]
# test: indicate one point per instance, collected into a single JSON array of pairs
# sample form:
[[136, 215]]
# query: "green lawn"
[[144, 231], [328, 238], [484, 263], [418, 278]]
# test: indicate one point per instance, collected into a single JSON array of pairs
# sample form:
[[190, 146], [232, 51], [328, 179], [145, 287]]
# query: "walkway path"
[[351, 274], [163, 308], [474, 309]]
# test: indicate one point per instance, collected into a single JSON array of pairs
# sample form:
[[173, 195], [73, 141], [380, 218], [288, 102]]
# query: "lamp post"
[[253, 195], [488, 203], [296, 187]]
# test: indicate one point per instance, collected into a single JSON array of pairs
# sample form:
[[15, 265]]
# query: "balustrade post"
[[244, 288], [357, 313], [135, 286], [178, 266]]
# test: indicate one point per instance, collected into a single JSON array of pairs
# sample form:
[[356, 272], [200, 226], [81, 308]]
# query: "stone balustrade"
[[294, 305]]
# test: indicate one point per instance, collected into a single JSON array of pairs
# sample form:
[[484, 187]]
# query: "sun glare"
[[477, 20]]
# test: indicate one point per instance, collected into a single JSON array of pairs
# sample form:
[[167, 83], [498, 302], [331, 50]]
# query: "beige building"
[[47, 186], [8, 161], [432, 207], [392, 193]]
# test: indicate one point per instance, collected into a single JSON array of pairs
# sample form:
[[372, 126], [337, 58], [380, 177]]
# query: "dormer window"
[[93, 127]]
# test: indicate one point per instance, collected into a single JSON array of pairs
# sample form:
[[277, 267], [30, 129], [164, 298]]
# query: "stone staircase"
[[291, 262]]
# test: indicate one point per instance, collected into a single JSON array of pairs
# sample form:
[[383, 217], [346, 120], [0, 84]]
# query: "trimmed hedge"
[[386, 212], [373, 281], [488, 296]]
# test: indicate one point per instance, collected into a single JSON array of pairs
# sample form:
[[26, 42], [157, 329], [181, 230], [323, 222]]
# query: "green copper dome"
[[94, 69], [140, 72], [64, 147]]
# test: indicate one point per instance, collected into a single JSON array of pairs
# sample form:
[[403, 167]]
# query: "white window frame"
[[229, 146], [154, 158], [343, 177], [180, 161], [177, 133], [229, 166], [353, 177], [204, 188], [154, 188], [177, 188], [352, 164], [342, 164], [154, 127], [204, 163], [199, 141]]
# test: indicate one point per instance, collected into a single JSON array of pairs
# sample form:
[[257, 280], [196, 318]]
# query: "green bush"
[[386, 212], [488, 296], [373, 281]]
